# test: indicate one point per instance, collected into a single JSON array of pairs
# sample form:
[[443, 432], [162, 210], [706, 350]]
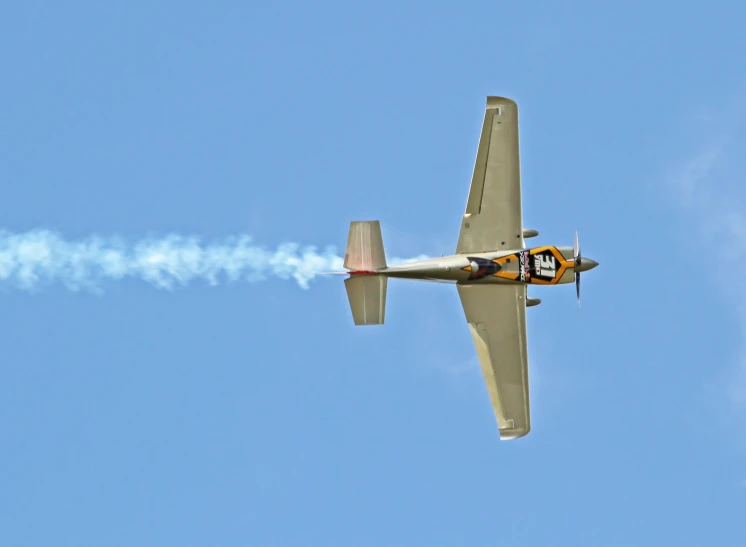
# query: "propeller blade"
[[578, 260], [576, 249], [576, 246]]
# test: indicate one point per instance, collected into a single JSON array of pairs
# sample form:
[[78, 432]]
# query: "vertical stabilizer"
[[365, 247], [367, 295]]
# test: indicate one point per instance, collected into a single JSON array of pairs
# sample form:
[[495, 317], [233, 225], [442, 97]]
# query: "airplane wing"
[[497, 320], [493, 211]]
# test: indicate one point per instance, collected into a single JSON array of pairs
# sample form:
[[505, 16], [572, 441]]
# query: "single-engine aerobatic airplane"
[[491, 268]]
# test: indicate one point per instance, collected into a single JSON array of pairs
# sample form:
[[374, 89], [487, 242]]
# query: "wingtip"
[[514, 433], [496, 100]]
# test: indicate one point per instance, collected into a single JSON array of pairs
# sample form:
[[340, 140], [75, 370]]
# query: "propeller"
[[578, 261]]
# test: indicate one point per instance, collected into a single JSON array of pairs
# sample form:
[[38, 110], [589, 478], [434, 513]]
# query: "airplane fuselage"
[[546, 265]]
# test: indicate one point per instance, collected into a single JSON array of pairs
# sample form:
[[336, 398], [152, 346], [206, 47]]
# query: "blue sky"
[[256, 413]]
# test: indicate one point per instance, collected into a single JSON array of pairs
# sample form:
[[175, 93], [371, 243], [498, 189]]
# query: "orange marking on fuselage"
[[564, 265]]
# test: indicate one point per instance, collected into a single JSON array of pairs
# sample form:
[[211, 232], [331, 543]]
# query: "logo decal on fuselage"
[[544, 265], [547, 266], [522, 262]]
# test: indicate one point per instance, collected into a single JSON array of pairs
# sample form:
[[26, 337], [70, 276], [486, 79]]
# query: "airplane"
[[491, 268]]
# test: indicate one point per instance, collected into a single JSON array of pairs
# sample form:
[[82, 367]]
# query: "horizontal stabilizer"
[[365, 247], [367, 296]]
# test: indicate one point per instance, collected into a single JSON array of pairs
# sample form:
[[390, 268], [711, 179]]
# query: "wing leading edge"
[[493, 211], [497, 319]]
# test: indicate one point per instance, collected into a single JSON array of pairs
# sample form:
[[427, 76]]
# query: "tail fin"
[[365, 255], [367, 296], [365, 247]]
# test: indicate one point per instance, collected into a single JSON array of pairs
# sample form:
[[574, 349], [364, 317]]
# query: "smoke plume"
[[31, 260]]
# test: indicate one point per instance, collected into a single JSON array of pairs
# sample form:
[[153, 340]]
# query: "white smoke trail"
[[37, 258]]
